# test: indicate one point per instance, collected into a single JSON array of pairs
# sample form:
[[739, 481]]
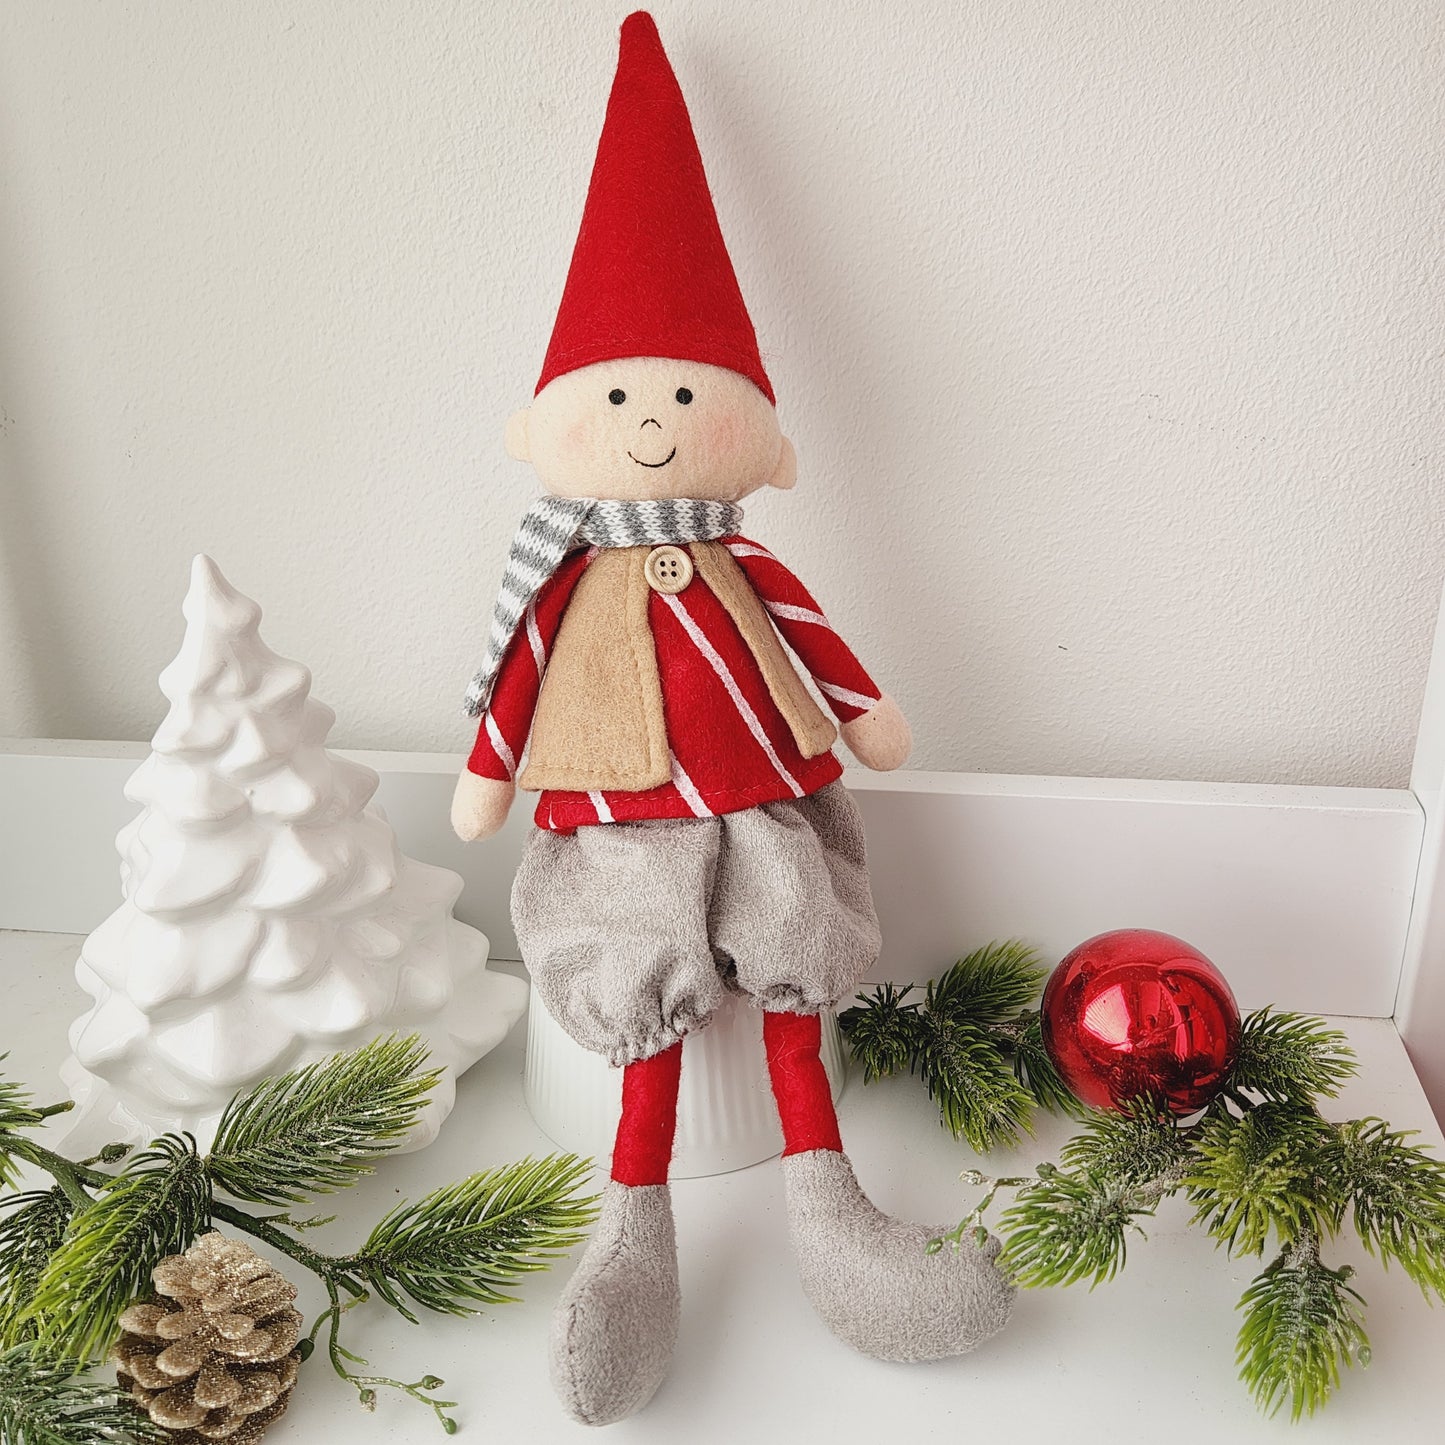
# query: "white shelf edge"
[[1302, 895]]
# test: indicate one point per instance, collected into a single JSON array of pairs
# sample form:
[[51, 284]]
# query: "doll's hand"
[[479, 805], [881, 739]]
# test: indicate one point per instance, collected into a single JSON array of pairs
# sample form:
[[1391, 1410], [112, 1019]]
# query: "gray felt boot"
[[616, 1323], [870, 1279]]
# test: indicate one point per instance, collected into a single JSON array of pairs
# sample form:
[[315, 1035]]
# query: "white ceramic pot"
[[726, 1117]]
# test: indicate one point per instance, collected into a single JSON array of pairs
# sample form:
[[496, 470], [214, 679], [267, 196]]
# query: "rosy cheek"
[[722, 433], [578, 439]]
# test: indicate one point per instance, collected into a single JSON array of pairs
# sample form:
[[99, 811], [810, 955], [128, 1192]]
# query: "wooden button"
[[668, 570]]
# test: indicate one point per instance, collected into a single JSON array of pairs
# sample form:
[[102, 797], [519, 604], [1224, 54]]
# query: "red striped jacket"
[[731, 747]]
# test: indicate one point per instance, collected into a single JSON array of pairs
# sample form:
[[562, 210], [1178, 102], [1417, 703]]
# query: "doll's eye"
[[684, 395], [616, 396]]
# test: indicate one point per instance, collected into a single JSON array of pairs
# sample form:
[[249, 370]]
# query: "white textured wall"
[[1109, 335]]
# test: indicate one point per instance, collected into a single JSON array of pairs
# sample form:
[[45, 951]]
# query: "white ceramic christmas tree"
[[269, 917]]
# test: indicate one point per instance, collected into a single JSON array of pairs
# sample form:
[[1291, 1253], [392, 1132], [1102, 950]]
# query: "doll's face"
[[648, 427]]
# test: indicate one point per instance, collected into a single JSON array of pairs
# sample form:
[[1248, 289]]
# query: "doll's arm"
[[872, 724], [480, 805], [881, 738], [486, 787]]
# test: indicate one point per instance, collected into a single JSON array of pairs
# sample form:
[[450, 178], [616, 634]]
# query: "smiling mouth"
[[662, 463]]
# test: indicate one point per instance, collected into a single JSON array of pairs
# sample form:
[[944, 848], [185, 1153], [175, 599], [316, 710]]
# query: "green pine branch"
[[977, 1093], [882, 1032], [972, 1039], [1290, 1058], [1302, 1320], [40, 1404], [155, 1207], [16, 1112], [317, 1128], [81, 1253], [1035, 1070], [992, 985], [30, 1232], [1395, 1195], [1260, 1164], [1273, 1169], [1133, 1146], [1258, 1174], [76, 1256], [1073, 1223], [462, 1246], [1064, 1228]]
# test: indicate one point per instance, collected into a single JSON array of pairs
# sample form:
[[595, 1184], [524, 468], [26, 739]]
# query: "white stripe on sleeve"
[[499, 746], [604, 813], [797, 614], [846, 694], [749, 717]]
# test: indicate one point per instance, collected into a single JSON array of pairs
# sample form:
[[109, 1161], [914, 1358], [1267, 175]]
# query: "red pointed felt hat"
[[650, 275]]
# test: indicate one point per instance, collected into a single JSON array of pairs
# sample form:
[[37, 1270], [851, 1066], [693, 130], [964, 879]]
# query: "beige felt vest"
[[599, 721]]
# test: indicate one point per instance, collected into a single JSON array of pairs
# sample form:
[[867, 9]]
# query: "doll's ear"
[[786, 471], [518, 446]]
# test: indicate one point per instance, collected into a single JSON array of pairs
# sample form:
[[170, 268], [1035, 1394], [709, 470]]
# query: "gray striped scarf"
[[553, 526]]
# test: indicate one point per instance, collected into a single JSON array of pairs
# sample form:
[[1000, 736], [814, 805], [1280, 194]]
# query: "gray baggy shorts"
[[632, 931]]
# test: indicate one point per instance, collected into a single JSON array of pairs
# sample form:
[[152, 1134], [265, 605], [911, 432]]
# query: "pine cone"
[[215, 1357]]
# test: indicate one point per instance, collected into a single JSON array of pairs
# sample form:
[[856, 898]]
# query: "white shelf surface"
[[1147, 1357]]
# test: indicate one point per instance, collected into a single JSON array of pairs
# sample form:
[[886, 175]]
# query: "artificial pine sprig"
[[1291, 1058], [1074, 1222], [968, 1076], [882, 1032], [31, 1230], [156, 1207], [16, 1112], [1264, 1170], [1396, 1194], [993, 985], [317, 1128], [1136, 1145], [971, 1038], [76, 1256], [1034, 1068], [464, 1245], [1258, 1173], [41, 1404], [1302, 1307]]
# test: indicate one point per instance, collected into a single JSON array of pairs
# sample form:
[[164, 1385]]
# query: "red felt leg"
[[800, 1085], [649, 1118]]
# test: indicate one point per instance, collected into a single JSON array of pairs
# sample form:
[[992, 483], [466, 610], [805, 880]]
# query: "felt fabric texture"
[[632, 932], [615, 1325], [480, 805], [720, 570], [800, 1083], [871, 1281], [650, 273], [648, 1126], [730, 745], [552, 526], [881, 739], [599, 721]]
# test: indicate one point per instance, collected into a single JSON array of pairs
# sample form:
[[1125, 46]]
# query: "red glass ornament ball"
[[1135, 1013]]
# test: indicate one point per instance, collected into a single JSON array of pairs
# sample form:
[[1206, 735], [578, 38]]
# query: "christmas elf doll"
[[693, 837]]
